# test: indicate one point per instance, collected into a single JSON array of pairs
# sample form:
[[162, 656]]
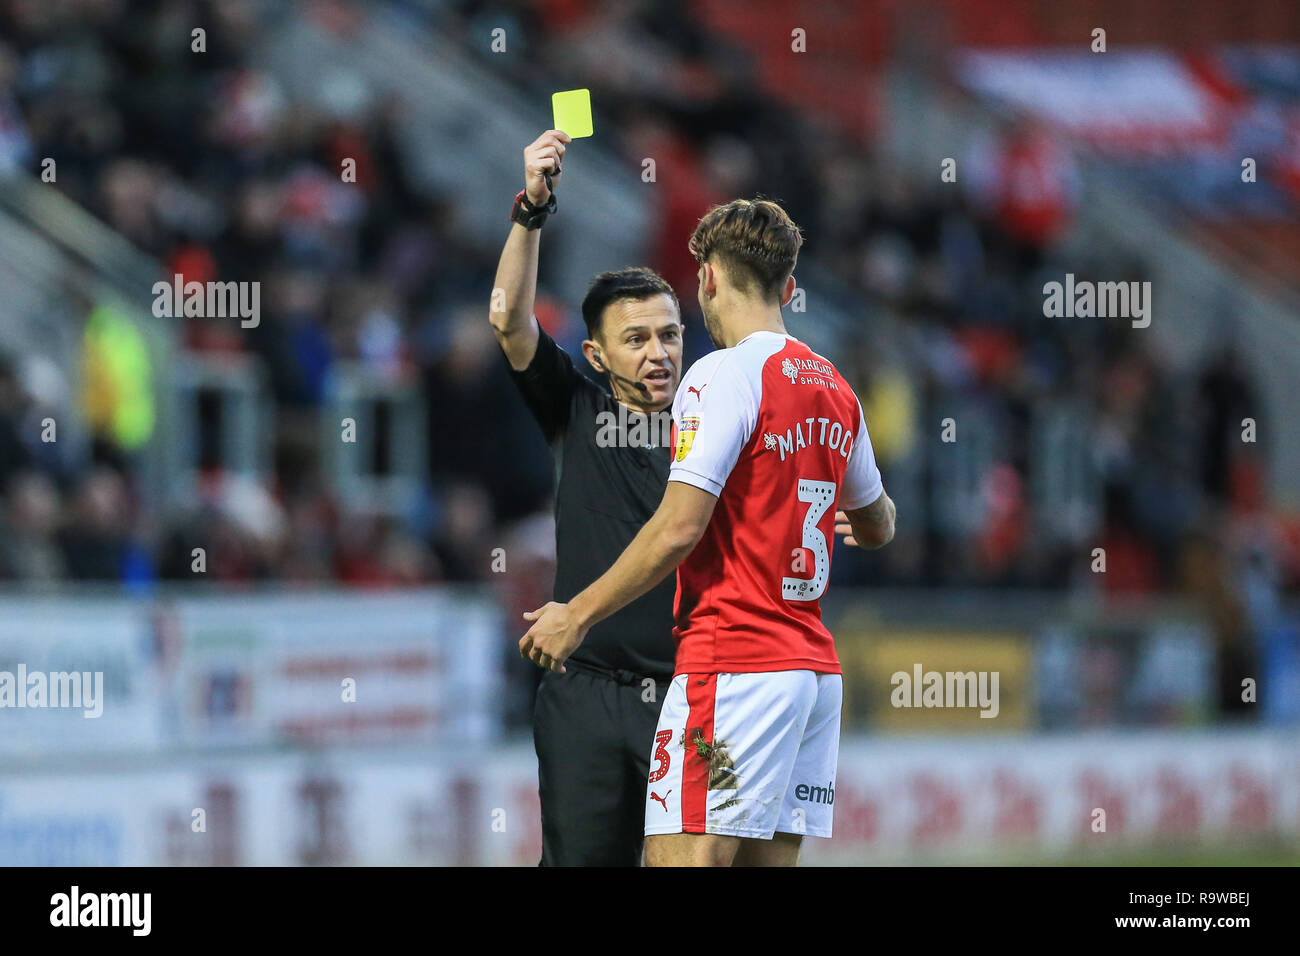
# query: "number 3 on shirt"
[[819, 496]]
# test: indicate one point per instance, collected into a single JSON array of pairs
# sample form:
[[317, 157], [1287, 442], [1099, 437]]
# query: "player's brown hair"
[[755, 239]]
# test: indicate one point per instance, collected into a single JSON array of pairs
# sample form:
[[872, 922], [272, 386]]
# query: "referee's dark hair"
[[636, 282]]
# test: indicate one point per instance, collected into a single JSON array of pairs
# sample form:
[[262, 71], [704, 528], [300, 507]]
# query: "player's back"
[[777, 434]]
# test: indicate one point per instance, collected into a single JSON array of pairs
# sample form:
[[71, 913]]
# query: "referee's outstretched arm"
[[515, 287]]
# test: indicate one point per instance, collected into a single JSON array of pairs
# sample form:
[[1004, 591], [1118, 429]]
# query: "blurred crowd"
[[204, 163]]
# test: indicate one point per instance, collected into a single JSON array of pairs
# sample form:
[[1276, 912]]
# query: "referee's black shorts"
[[594, 732]]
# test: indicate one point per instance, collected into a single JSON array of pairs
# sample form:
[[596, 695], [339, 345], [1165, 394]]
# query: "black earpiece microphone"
[[639, 386]]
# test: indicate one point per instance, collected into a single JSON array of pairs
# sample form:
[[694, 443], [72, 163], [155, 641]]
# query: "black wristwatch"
[[528, 215]]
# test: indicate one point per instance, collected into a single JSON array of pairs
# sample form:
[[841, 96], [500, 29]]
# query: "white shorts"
[[746, 755]]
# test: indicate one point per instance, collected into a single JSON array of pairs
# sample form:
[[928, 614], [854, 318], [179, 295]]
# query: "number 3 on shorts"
[[661, 755]]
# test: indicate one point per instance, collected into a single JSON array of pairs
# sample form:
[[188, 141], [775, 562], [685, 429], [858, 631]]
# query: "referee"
[[594, 725]]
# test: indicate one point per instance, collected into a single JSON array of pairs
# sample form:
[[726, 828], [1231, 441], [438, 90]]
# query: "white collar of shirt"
[[784, 335]]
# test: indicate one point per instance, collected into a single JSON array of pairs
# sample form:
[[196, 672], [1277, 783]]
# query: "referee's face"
[[641, 341]]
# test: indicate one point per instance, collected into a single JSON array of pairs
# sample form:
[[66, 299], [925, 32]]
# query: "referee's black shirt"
[[603, 497]]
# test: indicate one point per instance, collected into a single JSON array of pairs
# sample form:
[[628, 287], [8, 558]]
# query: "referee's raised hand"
[[543, 155]]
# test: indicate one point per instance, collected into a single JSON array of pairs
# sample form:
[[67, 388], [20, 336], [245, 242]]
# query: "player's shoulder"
[[742, 364], [785, 355], [758, 347], [748, 358], [704, 367], [821, 363], [803, 351]]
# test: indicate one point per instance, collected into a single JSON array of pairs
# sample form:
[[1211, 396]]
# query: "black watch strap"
[[528, 215]]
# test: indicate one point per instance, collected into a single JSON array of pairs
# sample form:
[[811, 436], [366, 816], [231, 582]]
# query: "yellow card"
[[572, 109]]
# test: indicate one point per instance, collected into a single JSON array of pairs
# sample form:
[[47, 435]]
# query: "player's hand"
[[842, 527], [552, 638], [544, 155]]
